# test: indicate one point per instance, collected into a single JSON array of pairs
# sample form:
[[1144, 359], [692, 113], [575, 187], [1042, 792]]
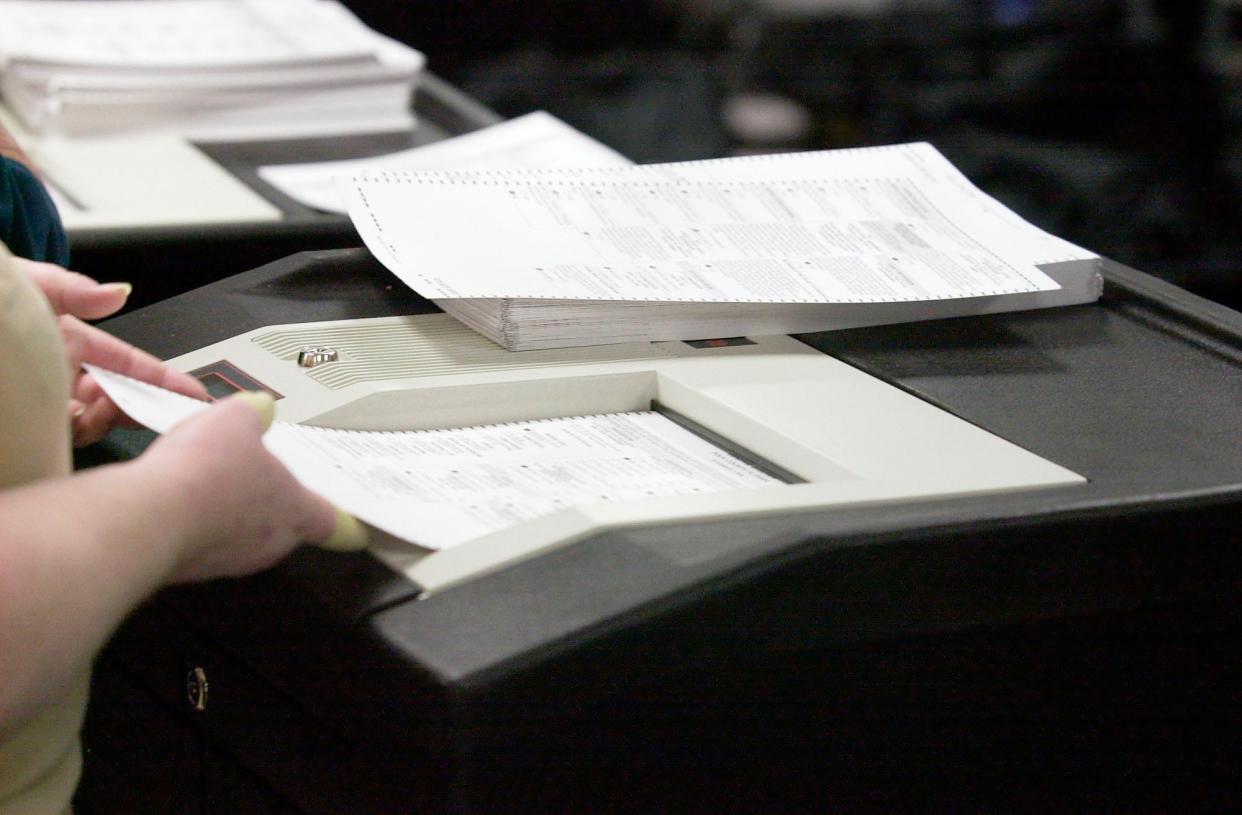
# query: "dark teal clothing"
[[29, 223]]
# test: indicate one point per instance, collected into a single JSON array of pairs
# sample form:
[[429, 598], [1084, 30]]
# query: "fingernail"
[[126, 288], [76, 409], [349, 535], [262, 402]]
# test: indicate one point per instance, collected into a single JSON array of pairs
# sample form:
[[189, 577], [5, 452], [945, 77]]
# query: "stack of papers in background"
[[550, 257], [202, 69]]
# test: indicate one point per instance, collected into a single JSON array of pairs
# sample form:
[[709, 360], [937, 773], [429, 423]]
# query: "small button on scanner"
[[310, 357]]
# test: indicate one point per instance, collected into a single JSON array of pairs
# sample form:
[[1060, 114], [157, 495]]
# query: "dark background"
[[1111, 123]]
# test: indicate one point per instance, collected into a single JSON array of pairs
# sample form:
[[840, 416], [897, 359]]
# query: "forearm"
[[76, 555]]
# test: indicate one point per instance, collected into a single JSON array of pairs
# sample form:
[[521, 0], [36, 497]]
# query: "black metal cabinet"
[[1069, 649]]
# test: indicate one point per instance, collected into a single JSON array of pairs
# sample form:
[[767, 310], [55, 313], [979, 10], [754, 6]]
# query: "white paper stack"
[[554, 257], [202, 69]]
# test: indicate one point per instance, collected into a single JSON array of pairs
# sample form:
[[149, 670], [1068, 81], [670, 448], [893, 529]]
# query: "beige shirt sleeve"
[[40, 762], [34, 383]]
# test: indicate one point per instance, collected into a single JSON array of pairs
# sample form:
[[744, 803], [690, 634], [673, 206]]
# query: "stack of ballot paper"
[[203, 69], [554, 257]]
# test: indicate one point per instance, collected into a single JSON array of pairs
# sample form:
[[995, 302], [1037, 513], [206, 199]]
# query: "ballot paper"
[[438, 488], [191, 33], [864, 226], [202, 69], [536, 139], [780, 244]]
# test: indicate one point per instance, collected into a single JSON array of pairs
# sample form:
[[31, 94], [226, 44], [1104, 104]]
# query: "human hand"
[[72, 296], [91, 412], [239, 508]]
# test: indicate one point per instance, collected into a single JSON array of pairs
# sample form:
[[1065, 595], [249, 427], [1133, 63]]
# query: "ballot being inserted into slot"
[[483, 457], [437, 488]]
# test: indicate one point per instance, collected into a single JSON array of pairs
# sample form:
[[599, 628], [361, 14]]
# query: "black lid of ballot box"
[[1074, 644]]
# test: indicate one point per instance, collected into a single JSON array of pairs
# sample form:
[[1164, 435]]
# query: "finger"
[[256, 408], [85, 343], [88, 393], [94, 421], [348, 534], [260, 402], [74, 293]]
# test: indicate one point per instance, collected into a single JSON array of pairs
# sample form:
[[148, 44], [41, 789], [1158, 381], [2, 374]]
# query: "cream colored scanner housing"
[[854, 438]]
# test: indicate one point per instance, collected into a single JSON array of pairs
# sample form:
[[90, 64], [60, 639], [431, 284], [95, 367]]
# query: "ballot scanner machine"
[[1002, 571]]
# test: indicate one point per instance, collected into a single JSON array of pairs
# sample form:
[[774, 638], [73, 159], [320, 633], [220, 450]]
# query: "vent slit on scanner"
[[428, 345]]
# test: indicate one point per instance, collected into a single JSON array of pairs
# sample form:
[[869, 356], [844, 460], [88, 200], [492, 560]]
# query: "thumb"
[[348, 534], [261, 402]]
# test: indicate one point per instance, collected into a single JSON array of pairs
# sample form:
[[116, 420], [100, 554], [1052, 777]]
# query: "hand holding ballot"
[[226, 438], [240, 510]]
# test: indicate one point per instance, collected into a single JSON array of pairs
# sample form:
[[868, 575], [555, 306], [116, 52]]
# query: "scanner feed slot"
[[729, 445], [492, 402], [526, 400]]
